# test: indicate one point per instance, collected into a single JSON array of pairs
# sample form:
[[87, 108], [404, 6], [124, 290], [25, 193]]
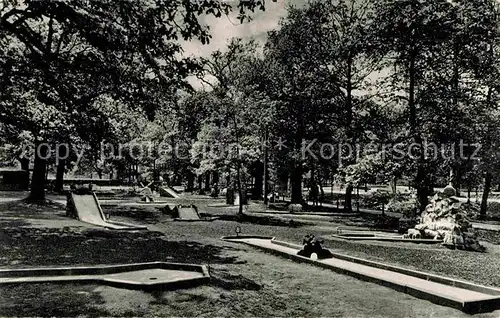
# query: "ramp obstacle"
[[185, 213], [84, 206], [168, 192]]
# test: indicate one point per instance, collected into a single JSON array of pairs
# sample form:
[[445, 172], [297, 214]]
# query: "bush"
[[374, 199], [387, 223], [473, 208], [493, 210], [402, 203]]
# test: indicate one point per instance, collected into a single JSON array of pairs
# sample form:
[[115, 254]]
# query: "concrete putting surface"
[[364, 235], [133, 276], [466, 296], [382, 237]]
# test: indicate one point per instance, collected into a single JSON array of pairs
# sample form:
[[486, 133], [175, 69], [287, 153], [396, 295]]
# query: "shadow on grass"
[[260, 220], [50, 300], [23, 208], [161, 298], [12, 223], [27, 246], [230, 282], [146, 214]]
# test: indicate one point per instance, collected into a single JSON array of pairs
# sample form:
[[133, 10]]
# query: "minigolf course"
[[86, 208], [462, 295]]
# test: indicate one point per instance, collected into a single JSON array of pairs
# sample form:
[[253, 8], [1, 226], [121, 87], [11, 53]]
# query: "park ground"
[[245, 281]]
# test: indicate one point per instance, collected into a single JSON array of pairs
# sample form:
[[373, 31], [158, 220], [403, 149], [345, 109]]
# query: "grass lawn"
[[245, 282]]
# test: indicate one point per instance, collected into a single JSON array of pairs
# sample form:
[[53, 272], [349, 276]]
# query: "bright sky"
[[227, 27]]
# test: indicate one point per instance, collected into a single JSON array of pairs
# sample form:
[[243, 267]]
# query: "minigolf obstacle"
[[168, 192], [146, 193], [466, 296], [143, 276], [185, 213], [445, 220], [82, 204]]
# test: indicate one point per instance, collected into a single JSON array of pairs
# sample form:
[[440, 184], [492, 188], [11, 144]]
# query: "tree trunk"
[[200, 185], [296, 180], [155, 174], [455, 87], [348, 198], [136, 171], [190, 182], [458, 182], [486, 193], [394, 185], [240, 192], [258, 181], [207, 181], [422, 184], [350, 133], [25, 164], [215, 177], [266, 172], [421, 180], [37, 192], [238, 166], [61, 167]]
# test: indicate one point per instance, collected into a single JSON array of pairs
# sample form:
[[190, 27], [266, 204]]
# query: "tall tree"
[[72, 52], [242, 110], [408, 31], [321, 54]]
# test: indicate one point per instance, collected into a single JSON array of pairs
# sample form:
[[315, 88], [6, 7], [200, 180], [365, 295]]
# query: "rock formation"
[[445, 219]]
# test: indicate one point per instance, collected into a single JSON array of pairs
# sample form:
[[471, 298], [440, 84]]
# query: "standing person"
[[313, 193]]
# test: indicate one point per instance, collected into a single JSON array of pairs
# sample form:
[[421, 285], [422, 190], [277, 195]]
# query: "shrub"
[[386, 222], [403, 203], [374, 199], [494, 209], [471, 209]]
